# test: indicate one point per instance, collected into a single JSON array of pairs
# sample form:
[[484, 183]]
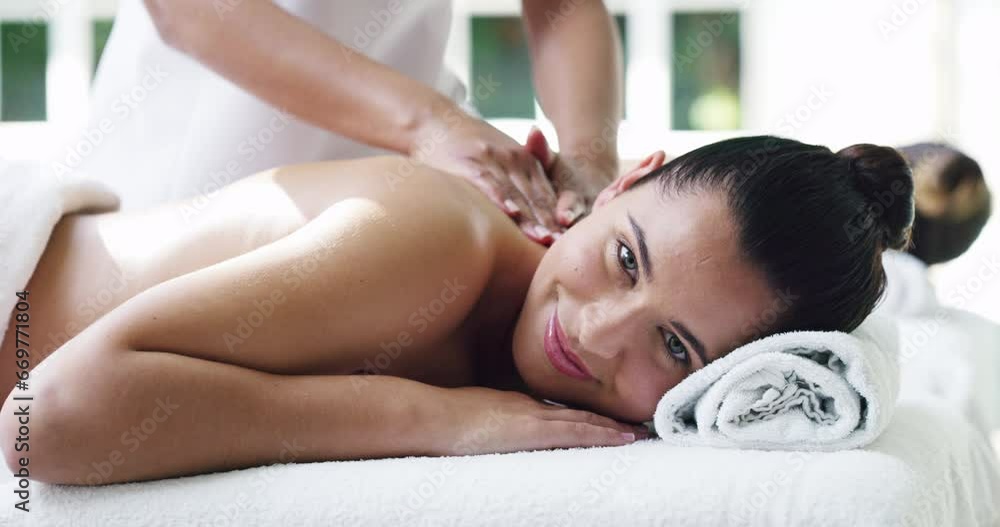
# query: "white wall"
[[891, 72], [896, 72]]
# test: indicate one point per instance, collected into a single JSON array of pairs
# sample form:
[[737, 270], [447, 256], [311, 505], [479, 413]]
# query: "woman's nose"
[[605, 327]]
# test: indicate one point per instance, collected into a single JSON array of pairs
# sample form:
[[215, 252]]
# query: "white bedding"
[[930, 468]]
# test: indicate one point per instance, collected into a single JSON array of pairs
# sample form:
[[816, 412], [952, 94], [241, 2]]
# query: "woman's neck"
[[497, 312]]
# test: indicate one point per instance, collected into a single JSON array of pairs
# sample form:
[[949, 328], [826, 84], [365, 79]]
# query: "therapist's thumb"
[[538, 146]]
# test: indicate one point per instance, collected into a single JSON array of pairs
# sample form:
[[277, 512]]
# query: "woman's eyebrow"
[[699, 348], [640, 235]]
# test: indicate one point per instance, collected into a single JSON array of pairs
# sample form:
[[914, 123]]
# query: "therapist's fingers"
[[541, 210], [538, 191], [504, 185], [485, 182], [570, 207]]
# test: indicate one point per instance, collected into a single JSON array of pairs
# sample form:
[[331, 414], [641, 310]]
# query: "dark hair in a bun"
[[952, 201], [814, 222], [883, 176]]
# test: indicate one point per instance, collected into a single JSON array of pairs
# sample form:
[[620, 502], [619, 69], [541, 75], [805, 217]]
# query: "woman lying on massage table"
[[257, 316]]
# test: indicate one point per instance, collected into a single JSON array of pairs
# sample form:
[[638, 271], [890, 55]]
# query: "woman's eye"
[[626, 258], [676, 348]]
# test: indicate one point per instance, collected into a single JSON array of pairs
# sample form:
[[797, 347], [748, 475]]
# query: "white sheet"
[[951, 357], [33, 198], [930, 468]]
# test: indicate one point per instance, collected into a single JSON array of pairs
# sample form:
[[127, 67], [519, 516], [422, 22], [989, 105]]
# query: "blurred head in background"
[[952, 201]]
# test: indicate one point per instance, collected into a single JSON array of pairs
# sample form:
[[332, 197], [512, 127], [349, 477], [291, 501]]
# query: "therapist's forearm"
[[577, 67], [290, 64]]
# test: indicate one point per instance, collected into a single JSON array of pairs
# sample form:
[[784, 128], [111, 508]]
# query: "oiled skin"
[[349, 256]]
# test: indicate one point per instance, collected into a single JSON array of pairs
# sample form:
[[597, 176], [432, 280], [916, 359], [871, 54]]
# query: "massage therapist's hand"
[[577, 180], [477, 420], [496, 164]]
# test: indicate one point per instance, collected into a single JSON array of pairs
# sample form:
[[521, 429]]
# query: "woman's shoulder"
[[408, 212], [410, 193]]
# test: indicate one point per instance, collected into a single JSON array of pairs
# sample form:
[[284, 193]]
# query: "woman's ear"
[[623, 182]]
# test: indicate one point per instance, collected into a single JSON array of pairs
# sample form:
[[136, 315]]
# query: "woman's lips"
[[558, 352]]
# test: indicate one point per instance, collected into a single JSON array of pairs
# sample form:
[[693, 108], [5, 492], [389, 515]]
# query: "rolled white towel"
[[802, 390]]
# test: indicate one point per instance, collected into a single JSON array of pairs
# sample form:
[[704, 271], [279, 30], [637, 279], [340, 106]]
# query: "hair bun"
[[882, 175]]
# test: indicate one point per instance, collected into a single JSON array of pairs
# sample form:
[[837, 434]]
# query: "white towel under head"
[[802, 390]]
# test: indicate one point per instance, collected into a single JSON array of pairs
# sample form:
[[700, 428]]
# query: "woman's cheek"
[[582, 266], [643, 383]]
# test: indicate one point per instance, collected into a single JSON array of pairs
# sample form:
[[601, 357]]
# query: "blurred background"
[[830, 72]]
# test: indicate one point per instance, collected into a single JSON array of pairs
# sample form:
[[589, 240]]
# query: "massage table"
[[930, 468]]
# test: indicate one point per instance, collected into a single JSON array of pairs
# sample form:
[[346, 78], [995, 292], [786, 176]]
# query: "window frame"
[[650, 32], [68, 71]]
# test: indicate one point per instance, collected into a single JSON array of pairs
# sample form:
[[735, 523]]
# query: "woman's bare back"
[[95, 263]]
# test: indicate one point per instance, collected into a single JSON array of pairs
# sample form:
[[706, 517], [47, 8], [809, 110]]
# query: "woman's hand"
[[496, 164], [577, 181], [477, 420]]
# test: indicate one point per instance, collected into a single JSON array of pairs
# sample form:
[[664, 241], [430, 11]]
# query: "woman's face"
[[646, 289]]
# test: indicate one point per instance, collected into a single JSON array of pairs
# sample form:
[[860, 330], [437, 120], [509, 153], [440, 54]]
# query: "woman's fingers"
[[583, 416], [571, 434]]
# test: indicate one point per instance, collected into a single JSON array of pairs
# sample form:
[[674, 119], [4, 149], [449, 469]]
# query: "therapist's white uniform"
[[178, 130]]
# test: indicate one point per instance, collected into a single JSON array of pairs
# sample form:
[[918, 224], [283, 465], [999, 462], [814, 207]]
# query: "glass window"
[[500, 55], [102, 29], [706, 71], [23, 52]]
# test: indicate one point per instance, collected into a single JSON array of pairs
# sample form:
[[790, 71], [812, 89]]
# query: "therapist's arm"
[[290, 64], [577, 69]]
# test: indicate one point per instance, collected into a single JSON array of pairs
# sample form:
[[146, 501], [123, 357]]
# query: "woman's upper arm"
[[341, 284]]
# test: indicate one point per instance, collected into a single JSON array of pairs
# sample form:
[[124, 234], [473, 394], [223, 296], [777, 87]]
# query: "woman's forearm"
[[292, 65], [138, 415], [577, 68]]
